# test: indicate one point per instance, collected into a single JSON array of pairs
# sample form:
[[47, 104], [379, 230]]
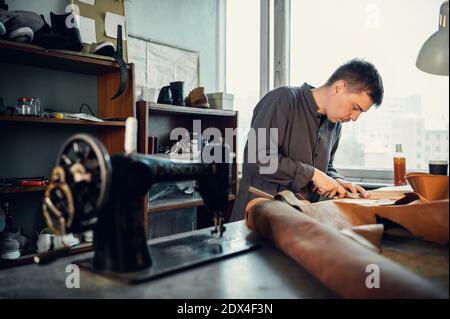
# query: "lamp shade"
[[433, 56]]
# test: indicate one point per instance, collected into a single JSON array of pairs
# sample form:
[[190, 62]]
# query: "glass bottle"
[[399, 166]]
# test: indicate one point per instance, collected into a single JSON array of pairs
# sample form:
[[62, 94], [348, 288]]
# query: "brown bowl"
[[430, 187]]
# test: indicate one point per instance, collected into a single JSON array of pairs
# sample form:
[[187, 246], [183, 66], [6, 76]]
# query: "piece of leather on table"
[[427, 220], [337, 261], [429, 187], [386, 194]]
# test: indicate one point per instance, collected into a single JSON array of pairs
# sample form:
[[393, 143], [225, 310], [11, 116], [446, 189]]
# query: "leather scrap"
[[424, 213], [118, 56], [429, 187]]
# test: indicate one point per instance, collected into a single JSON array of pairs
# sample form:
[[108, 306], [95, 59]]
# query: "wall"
[[188, 24]]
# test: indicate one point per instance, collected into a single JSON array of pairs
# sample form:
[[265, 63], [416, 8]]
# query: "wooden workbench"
[[262, 273]]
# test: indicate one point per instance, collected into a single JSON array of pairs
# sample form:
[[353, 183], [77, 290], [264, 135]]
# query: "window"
[[243, 61], [324, 34]]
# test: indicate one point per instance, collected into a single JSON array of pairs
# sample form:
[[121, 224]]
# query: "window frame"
[[364, 177], [279, 67]]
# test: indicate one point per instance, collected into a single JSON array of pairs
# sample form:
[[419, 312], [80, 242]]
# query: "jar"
[[29, 106], [24, 105], [36, 106]]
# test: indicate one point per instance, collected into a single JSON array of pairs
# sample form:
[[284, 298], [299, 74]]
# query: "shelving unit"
[[159, 120], [111, 132]]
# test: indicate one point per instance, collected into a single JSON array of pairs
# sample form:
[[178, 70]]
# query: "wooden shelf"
[[12, 190], [167, 108], [41, 120], [33, 55], [180, 204], [29, 258]]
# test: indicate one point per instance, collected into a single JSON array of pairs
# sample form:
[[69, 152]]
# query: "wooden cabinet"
[[159, 120], [111, 132]]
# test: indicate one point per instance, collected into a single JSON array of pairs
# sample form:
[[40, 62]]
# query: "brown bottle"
[[399, 166]]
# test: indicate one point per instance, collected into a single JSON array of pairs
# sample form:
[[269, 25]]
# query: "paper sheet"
[[111, 22], [87, 29], [137, 54], [166, 64], [82, 116], [157, 65], [91, 2]]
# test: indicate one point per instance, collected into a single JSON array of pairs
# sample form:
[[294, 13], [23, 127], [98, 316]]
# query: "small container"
[[36, 107], [399, 166], [438, 167], [24, 106], [221, 101]]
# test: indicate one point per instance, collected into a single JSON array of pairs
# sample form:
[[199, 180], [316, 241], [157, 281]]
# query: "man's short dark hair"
[[361, 76]]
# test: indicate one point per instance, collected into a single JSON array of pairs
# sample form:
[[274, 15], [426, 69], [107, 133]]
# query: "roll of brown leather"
[[340, 263]]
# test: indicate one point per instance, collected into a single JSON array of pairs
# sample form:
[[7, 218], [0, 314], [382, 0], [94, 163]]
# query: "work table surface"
[[265, 272]]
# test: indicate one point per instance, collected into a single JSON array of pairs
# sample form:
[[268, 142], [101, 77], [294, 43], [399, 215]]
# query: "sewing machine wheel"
[[79, 185]]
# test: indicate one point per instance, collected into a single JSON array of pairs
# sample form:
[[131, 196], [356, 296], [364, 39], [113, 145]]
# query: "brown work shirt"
[[306, 140]]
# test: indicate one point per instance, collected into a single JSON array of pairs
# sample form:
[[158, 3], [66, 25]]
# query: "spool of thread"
[[131, 127]]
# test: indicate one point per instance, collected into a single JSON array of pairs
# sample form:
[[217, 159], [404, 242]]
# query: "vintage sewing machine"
[[90, 190]]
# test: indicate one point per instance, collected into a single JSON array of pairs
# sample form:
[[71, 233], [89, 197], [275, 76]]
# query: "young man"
[[309, 121]]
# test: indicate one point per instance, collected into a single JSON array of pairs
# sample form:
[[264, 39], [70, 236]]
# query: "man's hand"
[[352, 188], [326, 186]]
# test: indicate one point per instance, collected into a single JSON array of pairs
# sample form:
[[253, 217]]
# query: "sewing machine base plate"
[[179, 254]]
